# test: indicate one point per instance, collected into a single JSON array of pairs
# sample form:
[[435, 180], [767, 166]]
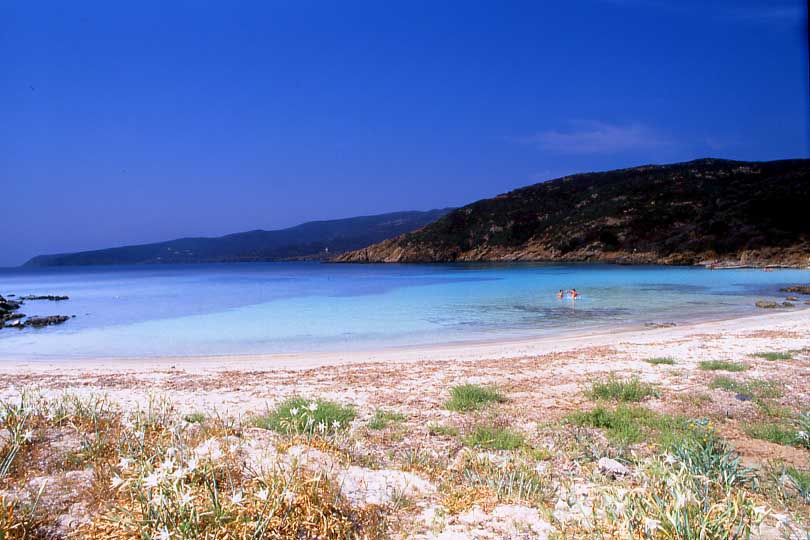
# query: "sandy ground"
[[547, 370]]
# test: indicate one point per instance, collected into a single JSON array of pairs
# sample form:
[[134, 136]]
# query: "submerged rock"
[[801, 289], [51, 297], [39, 322], [766, 304]]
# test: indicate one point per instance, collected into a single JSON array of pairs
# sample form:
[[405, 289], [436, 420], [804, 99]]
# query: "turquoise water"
[[298, 307]]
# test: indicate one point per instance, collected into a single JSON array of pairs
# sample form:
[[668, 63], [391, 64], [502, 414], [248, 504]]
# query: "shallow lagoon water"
[[265, 308]]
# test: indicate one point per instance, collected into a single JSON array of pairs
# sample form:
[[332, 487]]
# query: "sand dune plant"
[[440, 430], [803, 432], [754, 388], [470, 397], [772, 432], [629, 390], [630, 424], [383, 418], [721, 365], [666, 361], [493, 437], [303, 416], [773, 356], [511, 480]]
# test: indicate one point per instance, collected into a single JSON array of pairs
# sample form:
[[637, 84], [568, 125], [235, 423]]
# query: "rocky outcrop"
[[800, 289], [39, 322], [10, 317], [714, 212], [51, 297]]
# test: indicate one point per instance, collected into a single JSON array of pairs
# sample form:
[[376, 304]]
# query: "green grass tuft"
[[195, 418], [667, 361], [772, 356], [775, 433], [622, 390], [496, 438], [630, 424], [382, 419], [438, 430], [470, 397], [755, 388], [722, 365], [294, 416]]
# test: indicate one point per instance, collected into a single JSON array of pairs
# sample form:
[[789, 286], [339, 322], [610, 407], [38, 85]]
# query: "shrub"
[[195, 418], [470, 397], [775, 433], [622, 390], [631, 424], [301, 415], [753, 388], [442, 431], [722, 365]]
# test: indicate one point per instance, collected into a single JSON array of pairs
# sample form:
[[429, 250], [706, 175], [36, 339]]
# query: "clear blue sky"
[[131, 122]]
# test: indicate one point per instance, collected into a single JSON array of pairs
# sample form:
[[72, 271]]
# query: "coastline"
[[494, 349]]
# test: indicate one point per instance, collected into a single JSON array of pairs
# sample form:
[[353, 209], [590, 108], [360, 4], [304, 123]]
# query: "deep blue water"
[[297, 307]]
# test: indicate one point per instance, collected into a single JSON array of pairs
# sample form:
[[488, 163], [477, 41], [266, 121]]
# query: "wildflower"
[[236, 498], [116, 482], [123, 464], [167, 465], [335, 424], [191, 465], [28, 435], [152, 480], [179, 473], [313, 407], [186, 498], [669, 459], [680, 501], [289, 496], [651, 525], [163, 534], [262, 494], [171, 452], [293, 411], [321, 426], [620, 508]]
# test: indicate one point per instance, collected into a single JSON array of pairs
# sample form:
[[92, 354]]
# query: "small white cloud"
[[599, 138]]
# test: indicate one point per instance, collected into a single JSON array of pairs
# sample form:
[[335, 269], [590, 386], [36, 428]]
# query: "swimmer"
[[574, 293], [560, 294]]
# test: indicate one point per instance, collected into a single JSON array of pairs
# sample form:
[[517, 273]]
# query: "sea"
[[278, 308]]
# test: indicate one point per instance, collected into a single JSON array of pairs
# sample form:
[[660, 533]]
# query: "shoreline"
[[478, 350]]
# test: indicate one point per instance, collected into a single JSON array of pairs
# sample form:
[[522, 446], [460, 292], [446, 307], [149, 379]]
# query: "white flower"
[[191, 464], [123, 464], [651, 525], [28, 435], [669, 459], [321, 426], [163, 534], [179, 473], [116, 482], [335, 424], [167, 465], [312, 406], [262, 494], [186, 498], [152, 480], [236, 498], [620, 507], [289, 497], [171, 452], [680, 501], [293, 411]]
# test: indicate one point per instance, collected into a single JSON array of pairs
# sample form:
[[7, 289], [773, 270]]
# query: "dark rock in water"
[[659, 324], [51, 297], [788, 304], [7, 306], [743, 397], [39, 322], [16, 323], [766, 304], [801, 289], [11, 316], [792, 298]]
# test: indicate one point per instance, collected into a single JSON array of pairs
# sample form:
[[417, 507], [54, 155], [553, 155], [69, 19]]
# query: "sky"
[[134, 122]]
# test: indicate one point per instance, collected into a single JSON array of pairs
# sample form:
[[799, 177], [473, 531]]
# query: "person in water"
[[574, 293], [560, 294]]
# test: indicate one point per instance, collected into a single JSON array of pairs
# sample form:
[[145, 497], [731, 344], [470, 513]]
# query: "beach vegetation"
[[661, 360], [754, 388], [300, 415], [776, 433], [494, 438], [383, 418], [471, 397], [626, 390], [721, 365], [631, 424], [195, 417], [441, 430], [772, 356]]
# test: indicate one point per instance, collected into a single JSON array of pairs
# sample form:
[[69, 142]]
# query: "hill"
[[306, 241], [747, 213]]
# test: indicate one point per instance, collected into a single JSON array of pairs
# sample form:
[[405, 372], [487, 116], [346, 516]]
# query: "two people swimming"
[[572, 292]]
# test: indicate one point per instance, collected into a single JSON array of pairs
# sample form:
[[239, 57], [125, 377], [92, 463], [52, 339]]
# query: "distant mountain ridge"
[[734, 212], [306, 241]]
